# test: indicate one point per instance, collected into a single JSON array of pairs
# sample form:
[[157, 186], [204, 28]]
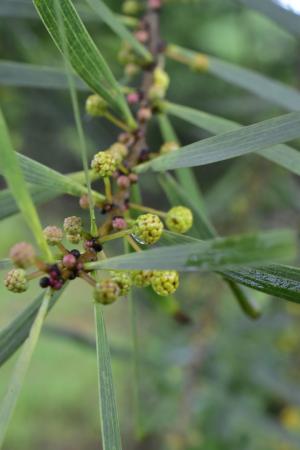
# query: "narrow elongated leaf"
[[84, 57], [277, 280], [208, 255], [282, 16], [9, 402], [235, 143], [31, 76], [111, 437], [16, 183], [283, 155], [116, 25], [267, 88], [15, 333]]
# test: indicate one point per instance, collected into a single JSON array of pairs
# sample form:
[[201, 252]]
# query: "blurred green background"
[[221, 382]]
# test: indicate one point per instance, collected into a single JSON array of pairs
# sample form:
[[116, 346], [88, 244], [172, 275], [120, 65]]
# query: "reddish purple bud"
[[123, 182], [88, 245], [119, 223], [57, 285], [144, 114], [154, 4], [69, 261], [142, 36], [133, 98], [79, 266]]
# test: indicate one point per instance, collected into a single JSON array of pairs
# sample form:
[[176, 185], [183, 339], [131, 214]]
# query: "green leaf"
[[282, 16], [208, 255], [14, 334], [277, 280], [267, 88], [111, 437], [16, 183], [235, 143], [84, 57], [116, 25], [5, 264], [31, 76], [282, 154], [16, 382]]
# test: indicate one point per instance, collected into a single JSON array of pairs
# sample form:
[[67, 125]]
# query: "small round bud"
[[156, 93], [74, 238], [130, 7], [119, 223], [141, 278], [95, 105], [142, 36], [69, 261], [168, 147], [179, 219], [161, 78], [123, 280], [119, 151], [84, 201], [123, 182], [144, 114], [165, 282], [133, 178], [53, 234], [16, 281], [75, 253], [22, 255], [131, 69], [148, 228], [104, 163], [133, 97], [44, 282], [73, 225], [106, 292], [154, 4]]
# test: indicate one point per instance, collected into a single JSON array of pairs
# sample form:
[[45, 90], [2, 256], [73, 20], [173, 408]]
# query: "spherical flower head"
[[179, 219], [53, 234], [124, 282], [104, 164], [130, 7], [69, 261], [22, 255], [119, 223], [161, 78], [148, 228], [165, 282], [107, 291], [168, 147], [73, 225], [16, 281], [95, 105], [141, 278], [119, 151]]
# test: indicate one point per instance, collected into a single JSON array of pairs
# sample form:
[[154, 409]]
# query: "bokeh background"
[[222, 382]]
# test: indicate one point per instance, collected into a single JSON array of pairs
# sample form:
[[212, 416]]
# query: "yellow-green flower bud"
[[106, 292], [104, 164], [119, 151], [124, 282], [53, 235], [96, 105], [168, 147], [130, 7], [141, 278], [200, 63], [16, 281], [179, 219], [73, 225], [161, 78], [148, 228], [165, 282], [74, 238]]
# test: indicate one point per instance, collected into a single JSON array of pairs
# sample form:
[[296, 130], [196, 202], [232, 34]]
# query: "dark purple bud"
[[44, 282]]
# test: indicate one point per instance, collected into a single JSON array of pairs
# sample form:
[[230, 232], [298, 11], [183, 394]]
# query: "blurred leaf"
[[15, 333], [282, 154], [16, 382], [83, 54], [111, 437], [277, 280], [29, 75], [16, 183], [267, 88], [229, 145], [102, 10], [208, 255], [282, 16], [8, 206]]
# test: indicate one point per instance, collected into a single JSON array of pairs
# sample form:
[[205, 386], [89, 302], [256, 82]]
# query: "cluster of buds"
[[106, 163], [160, 85], [108, 290]]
